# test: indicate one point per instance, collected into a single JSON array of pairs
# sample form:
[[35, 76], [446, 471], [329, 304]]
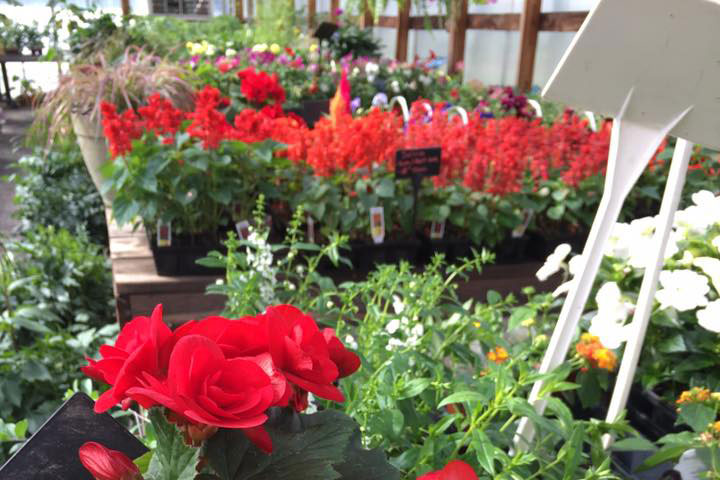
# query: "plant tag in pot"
[[310, 229], [519, 231], [377, 224], [437, 230], [243, 229], [164, 234]]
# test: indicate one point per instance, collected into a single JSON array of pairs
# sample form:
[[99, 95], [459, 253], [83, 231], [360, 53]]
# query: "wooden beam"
[[403, 32], [334, 7], [125, 5], [251, 8], [497, 21], [529, 28], [387, 22], [239, 10], [562, 21], [458, 27], [432, 22], [366, 16], [311, 14]]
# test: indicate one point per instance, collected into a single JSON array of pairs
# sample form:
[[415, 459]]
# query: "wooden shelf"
[[138, 287]]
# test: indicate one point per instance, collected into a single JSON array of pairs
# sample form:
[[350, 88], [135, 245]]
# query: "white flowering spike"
[[716, 242], [709, 317], [682, 289], [553, 262], [351, 342], [398, 305]]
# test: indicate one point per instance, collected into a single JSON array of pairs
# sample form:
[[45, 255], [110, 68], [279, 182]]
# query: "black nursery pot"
[[181, 257], [650, 415], [364, 256], [311, 111]]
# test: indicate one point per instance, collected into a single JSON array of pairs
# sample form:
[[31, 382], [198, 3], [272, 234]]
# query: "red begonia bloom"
[[204, 386], [455, 470], [143, 347], [106, 464], [301, 352]]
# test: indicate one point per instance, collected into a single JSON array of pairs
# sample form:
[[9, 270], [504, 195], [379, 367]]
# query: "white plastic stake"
[[646, 297], [400, 100], [536, 105], [632, 145], [458, 110], [591, 120]]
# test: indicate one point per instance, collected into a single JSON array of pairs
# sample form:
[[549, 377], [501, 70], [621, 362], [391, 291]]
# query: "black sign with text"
[[417, 162], [52, 452]]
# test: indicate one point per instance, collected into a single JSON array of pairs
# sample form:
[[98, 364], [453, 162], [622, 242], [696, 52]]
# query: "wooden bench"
[[138, 287]]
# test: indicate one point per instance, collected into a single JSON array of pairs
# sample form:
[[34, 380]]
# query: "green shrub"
[[56, 189]]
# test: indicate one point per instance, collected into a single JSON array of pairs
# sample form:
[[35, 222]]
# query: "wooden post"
[[251, 9], [403, 30], [366, 19], [529, 28], [458, 27], [312, 13], [334, 7], [125, 5], [239, 10]]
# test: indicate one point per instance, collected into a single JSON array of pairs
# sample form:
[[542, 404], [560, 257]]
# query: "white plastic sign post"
[[650, 64]]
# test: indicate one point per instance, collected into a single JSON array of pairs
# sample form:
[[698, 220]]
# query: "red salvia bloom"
[[259, 87], [208, 123]]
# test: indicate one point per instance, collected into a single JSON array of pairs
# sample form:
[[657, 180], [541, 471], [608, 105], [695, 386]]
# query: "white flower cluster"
[[260, 264], [631, 248], [402, 335]]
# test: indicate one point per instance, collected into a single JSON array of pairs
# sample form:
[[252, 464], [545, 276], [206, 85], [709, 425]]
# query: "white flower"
[[563, 288], [710, 267], [609, 322], [210, 50], [392, 326], [333, 66], [395, 86], [709, 317], [716, 242], [696, 219], [394, 344], [260, 48], [576, 265], [230, 52], [417, 330], [633, 242], [350, 342], [425, 80], [371, 70], [687, 259], [412, 85], [355, 72], [398, 305], [553, 262], [682, 289], [312, 406]]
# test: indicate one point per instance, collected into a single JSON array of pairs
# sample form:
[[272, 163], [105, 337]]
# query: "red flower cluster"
[[454, 470], [259, 87], [223, 372], [161, 116], [119, 129], [208, 123], [351, 145]]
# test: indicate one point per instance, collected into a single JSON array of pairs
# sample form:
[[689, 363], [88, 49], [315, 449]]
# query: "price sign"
[[418, 162]]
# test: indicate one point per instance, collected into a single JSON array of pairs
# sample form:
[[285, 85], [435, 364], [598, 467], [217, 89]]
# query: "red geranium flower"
[[106, 464], [455, 470], [259, 87]]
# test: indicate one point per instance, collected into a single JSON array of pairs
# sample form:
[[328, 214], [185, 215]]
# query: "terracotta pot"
[[94, 149]]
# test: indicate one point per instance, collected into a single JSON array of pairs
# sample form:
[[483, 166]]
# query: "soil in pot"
[[311, 111]]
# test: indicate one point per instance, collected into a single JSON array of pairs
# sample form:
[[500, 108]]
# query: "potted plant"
[[33, 39], [190, 176], [13, 38], [126, 83]]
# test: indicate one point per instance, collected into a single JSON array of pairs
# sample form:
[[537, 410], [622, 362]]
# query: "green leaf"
[[172, 459], [414, 388], [322, 446], [674, 344], [33, 370], [484, 451], [665, 454], [556, 212], [143, 461], [493, 297], [560, 195], [465, 396], [573, 449], [697, 415], [223, 197], [385, 188], [633, 444], [21, 428], [520, 315]]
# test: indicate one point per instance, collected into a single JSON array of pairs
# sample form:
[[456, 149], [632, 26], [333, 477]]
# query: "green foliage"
[[322, 446], [172, 459], [55, 189], [353, 40]]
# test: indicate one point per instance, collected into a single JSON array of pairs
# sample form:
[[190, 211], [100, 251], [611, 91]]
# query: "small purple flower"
[[338, 12], [379, 100], [355, 104]]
